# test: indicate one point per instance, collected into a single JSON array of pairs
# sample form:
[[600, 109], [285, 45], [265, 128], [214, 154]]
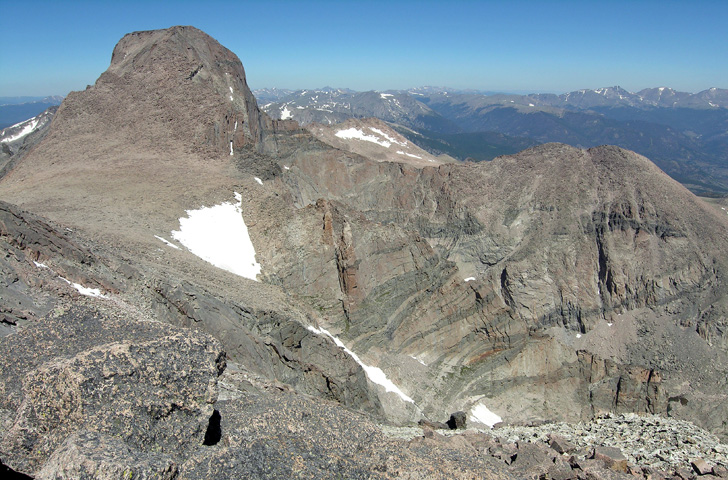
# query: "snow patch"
[[385, 95], [375, 374], [387, 137], [482, 414], [285, 113], [258, 180], [231, 147], [470, 279], [578, 335], [354, 132], [25, 131], [89, 292], [219, 236], [531, 105], [413, 357], [231, 89], [286, 167], [408, 154], [166, 241]]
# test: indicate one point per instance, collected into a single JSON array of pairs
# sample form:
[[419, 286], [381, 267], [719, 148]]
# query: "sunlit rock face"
[[551, 284]]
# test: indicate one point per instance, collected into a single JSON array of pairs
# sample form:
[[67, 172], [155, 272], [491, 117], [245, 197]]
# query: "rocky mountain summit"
[[557, 284]]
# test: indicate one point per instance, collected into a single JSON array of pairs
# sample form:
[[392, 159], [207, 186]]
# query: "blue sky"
[[519, 46]]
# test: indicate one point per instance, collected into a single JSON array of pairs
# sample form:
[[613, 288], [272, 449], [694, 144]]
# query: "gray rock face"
[[36, 254], [550, 270], [95, 455], [271, 345], [107, 381], [156, 57]]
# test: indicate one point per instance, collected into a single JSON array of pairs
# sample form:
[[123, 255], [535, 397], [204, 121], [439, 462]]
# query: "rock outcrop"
[[556, 244], [78, 371]]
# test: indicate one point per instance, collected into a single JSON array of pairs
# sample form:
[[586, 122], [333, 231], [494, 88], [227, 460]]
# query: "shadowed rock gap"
[[214, 431], [9, 474]]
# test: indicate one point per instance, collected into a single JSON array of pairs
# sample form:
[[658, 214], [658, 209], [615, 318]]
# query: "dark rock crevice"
[[213, 434]]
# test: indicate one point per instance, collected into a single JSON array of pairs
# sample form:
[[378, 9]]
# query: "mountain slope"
[[375, 140], [549, 285], [553, 237], [17, 139], [331, 106], [175, 103], [683, 133], [696, 161]]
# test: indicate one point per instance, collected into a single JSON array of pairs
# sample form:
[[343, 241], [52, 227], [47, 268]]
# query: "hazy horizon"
[[51, 48]]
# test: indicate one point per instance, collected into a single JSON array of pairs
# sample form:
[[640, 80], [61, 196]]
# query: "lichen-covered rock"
[[153, 392], [92, 455], [275, 434]]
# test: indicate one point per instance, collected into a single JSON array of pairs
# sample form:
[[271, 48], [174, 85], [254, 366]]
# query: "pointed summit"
[[207, 99], [171, 115]]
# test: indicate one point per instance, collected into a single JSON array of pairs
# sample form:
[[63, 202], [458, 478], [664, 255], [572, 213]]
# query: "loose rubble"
[[646, 440], [610, 446]]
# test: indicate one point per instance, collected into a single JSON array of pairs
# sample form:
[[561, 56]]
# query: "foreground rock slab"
[[149, 386]]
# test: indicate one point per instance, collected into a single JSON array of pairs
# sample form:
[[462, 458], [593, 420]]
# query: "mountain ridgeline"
[[555, 284], [684, 134]]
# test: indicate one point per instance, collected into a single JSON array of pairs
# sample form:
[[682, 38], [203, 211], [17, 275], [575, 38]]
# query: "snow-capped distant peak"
[[27, 127]]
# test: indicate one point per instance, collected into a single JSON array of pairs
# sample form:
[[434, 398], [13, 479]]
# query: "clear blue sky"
[[526, 46]]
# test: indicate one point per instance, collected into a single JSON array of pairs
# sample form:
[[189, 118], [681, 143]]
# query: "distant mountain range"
[[685, 134], [14, 110]]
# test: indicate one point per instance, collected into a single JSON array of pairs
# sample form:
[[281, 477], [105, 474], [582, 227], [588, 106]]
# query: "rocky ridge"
[[375, 140]]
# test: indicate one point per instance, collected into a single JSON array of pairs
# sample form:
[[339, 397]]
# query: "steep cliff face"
[[552, 238], [185, 79]]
